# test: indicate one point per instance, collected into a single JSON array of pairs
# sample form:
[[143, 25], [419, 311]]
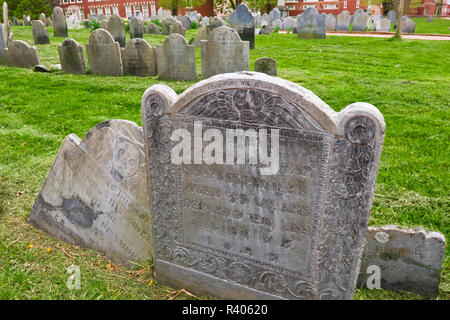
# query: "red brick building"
[[328, 6]]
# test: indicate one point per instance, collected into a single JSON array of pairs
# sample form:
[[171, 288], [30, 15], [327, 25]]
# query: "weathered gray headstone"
[[95, 193], [311, 24], [6, 30], [359, 11], [383, 25], [243, 22], [22, 55], [360, 22], [277, 24], [73, 22], [330, 23], [15, 21], [343, 21], [26, 20], [139, 58], [177, 28], [152, 28], [288, 23], [266, 65], [224, 52], [257, 230], [408, 25], [201, 35], [205, 21], [117, 29], [43, 18], [176, 59], [186, 22], [274, 15], [213, 24], [40, 33], [59, 23], [408, 259], [165, 24], [71, 56], [392, 15], [135, 28], [104, 54], [3, 46]]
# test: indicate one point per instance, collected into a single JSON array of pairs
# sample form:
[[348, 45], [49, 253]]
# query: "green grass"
[[407, 80], [440, 26]]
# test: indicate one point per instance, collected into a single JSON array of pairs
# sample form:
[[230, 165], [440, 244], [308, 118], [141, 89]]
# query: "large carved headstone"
[[243, 22], [71, 56], [59, 23], [22, 55], [224, 52], [40, 33], [95, 193], [104, 54], [311, 24], [117, 29], [224, 223], [139, 58]]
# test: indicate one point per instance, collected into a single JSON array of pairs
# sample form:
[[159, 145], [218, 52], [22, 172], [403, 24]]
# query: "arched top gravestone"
[[223, 223], [117, 29], [243, 22], [59, 23], [71, 56], [21, 54], [104, 54], [40, 33]]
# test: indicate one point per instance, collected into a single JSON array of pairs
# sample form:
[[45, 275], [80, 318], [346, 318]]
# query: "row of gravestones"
[[228, 228]]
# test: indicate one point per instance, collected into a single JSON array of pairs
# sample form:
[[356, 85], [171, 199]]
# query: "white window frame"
[[306, 6], [345, 4], [115, 10], [357, 3], [138, 8], [128, 11], [145, 10]]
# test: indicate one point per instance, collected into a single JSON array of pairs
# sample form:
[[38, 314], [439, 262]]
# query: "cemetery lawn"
[[439, 26], [407, 80]]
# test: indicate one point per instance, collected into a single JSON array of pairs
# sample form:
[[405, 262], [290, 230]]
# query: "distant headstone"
[[165, 23], [177, 28], [139, 58], [104, 54], [135, 28], [176, 59], [265, 29], [15, 21], [267, 66], [43, 18], [226, 224], [40, 33], [311, 24], [59, 23], [359, 11], [71, 56], [152, 28], [392, 15], [408, 259], [343, 21], [22, 55], [277, 24], [117, 29], [95, 193], [360, 22], [26, 20], [205, 21], [49, 22], [243, 22], [224, 52], [288, 23], [213, 24], [383, 25], [274, 15], [171, 25], [408, 25], [330, 22], [186, 22]]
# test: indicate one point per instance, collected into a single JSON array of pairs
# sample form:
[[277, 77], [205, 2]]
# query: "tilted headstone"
[[274, 15], [243, 22], [186, 22], [40, 33], [22, 55], [392, 15], [3, 46], [408, 259], [330, 22], [291, 226], [408, 25], [117, 29], [311, 24], [224, 52], [152, 28], [104, 54], [266, 65], [94, 195], [360, 22], [176, 59], [59, 23], [71, 56], [383, 25], [135, 28], [288, 23], [139, 58], [343, 21]]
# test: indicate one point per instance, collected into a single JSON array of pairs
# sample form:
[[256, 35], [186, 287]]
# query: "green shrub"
[[276, 29], [157, 22], [194, 25], [94, 25]]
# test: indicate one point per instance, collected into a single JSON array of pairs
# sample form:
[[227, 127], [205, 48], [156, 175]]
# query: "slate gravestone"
[[117, 29], [3, 46], [288, 23], [152, 28], [311, 24], [139, 58], [176, 59], [383, 25], [243, 22], [186, 22], [343, 21], [408, 25], [95, 196], [40, 33], [224, 52], [59, 23], [43, 18], [104, 54], [360, 22], [392, 15], [330, 22], [237, 231], [135, 28], [409, 259], [71, 56], [22, 55], [274, 15], [266, 65]]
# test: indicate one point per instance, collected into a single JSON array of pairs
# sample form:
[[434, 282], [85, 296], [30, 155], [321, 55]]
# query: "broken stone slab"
[[409, 259], [95, 193]]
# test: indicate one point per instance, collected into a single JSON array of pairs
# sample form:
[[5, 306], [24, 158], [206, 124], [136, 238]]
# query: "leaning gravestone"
[[360, 22], [71, 56], [266, 65], [21, 55], [176, 59], [330, 23], [40, 33], [288, 226], [59, 23], [311, 24], [408, 259], [117, 29], [186, 22], [104, 54], [139, 58], [15, 21], [135, 28], [3, 46], [243, 22], [224, 52], [343, 21], [95, 193]]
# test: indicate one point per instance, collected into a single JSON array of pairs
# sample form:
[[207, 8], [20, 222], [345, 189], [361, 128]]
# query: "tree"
[[174, 5], [30, 7], [264, 6]]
